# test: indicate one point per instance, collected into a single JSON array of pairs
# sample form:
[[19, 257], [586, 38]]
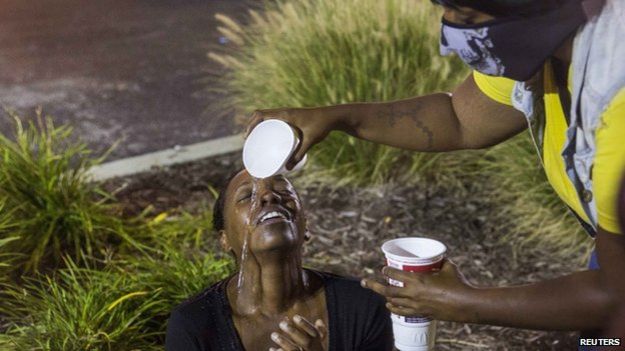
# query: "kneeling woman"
[[272, 302]]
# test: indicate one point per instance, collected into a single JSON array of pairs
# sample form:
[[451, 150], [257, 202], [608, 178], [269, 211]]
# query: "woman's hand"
[[299, 335], [443, 294], [312, 125]]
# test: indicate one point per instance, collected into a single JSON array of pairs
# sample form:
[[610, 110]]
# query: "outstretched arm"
[[611, 255], [466, 119], [578, 301]]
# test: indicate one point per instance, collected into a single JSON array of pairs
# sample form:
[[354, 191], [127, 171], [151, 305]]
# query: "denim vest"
[[598, 66]]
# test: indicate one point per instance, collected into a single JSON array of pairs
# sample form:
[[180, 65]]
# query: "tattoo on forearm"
[[392, 114], [389, 113], [425, 131]]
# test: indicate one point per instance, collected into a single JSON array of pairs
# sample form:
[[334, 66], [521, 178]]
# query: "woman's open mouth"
[[274, 217]]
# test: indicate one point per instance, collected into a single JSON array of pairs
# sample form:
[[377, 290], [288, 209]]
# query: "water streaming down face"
[[245, 250], [244, 255]]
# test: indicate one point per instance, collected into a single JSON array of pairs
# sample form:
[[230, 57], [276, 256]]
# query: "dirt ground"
[[349, 225]]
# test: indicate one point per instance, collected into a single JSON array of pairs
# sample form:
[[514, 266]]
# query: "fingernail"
[[297, 318], [363, 283], [283, 326], [384, 269], [275, 337]]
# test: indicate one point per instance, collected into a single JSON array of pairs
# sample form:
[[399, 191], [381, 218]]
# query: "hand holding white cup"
[[268, 148]]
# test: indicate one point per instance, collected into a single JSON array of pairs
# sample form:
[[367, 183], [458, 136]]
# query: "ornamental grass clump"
[[303, 53], [179, 228], [177, 274], [181, 263], [121, 306], [47, 200], [81, 309]]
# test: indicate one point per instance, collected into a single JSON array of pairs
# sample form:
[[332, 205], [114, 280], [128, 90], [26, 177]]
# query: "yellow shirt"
[[609, 163]]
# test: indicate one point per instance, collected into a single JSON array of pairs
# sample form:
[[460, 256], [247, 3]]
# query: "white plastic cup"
[[413, 333], [268, 147]]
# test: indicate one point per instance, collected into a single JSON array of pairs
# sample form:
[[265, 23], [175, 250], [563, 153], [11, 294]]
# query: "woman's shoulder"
[[196, 321], [211, 298], [348, 289]]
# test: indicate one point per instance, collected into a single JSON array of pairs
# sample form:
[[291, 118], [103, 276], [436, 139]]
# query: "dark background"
[[126, 69]]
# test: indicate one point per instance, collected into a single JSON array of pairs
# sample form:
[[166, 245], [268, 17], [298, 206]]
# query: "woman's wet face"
[[268, 210]]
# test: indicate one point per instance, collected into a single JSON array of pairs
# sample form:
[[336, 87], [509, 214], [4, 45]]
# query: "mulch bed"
[[349, 225]]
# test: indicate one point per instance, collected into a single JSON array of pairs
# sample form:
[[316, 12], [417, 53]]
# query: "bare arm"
[[574, 302], [581, 300], [466, 119], [578, 301], [611, 254]]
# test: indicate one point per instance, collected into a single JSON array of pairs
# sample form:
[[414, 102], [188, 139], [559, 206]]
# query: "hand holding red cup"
[[413, 333]]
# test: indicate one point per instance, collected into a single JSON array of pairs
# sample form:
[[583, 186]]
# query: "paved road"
[[130, 69]]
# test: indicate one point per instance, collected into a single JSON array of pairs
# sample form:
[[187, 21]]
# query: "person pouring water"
[[553, 67]]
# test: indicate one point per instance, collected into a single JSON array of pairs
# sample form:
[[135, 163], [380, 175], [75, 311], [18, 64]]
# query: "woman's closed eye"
[[244, 195]]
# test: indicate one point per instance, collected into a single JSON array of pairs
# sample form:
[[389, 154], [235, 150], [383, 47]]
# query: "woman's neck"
[[267, 285]]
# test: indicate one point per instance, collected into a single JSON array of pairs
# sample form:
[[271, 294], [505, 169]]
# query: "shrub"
[[182, 261], [121, 307], [6, 260], [6, 225], [303, 53], [80, 309], [180, 229], [177, 276], [47, 200]]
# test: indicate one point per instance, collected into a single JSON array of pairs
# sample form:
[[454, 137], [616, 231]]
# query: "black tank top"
[[357, 319]]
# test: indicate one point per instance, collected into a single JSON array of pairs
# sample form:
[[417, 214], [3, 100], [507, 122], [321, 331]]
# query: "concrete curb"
[[142, 163]]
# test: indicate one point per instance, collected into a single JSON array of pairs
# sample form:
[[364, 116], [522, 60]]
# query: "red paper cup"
[[413, 333]]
